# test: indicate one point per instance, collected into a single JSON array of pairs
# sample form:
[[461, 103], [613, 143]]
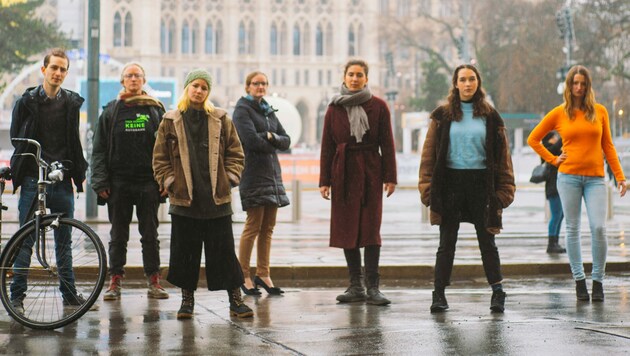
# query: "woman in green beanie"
[[197, 159]]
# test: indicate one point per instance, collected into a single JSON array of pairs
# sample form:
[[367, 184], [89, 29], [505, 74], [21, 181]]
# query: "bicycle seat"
[[5, 173]]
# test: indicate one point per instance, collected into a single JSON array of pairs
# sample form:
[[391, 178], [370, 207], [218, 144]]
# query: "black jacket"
[[261, 181], [24, 123], [103, 138], [552, 171]]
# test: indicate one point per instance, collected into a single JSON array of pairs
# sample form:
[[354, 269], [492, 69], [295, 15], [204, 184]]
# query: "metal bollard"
[[296, 192]]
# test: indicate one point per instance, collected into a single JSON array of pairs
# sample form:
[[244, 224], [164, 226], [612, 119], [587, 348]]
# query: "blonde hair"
[[183, 104], [588, 104]]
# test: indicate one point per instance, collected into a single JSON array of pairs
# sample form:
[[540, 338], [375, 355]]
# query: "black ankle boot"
[[598, 291], [188, 304], [497, 302], [237, 307], [581, 291], [439, 301], [553, 246]]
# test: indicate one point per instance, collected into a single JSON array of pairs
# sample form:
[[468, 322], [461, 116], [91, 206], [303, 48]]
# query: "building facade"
[[300, 44]]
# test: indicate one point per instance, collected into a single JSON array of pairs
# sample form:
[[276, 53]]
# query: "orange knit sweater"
[[582, 141]]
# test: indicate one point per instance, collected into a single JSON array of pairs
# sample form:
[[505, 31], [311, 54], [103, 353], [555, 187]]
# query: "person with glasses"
[[48, 114], [122, 176], [358, 164], [261, 188]]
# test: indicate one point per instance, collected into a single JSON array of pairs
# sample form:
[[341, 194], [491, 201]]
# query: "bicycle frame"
[[38, 209]]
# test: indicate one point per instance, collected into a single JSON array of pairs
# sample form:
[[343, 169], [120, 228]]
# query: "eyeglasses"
[[264, 84], [133, 75]]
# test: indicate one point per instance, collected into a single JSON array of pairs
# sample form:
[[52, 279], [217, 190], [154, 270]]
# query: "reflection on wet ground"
[[542, 317]]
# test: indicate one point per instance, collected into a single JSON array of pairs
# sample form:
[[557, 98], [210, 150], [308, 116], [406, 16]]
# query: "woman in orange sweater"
[[584, 127]]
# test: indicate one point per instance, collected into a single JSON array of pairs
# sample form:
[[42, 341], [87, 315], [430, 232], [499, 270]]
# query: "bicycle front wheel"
[[57, 285]]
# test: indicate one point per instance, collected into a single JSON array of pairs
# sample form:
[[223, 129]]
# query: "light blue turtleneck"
[[467, 147]]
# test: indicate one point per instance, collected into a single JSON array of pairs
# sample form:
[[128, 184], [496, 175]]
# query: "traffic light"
[[561, 23], [389, 59], [564, 21], [459, 43]]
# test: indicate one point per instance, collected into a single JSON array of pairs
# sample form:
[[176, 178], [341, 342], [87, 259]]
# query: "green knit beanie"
[[199, 73]]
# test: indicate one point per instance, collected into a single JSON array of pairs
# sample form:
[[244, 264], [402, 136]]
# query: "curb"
[[324, 276]]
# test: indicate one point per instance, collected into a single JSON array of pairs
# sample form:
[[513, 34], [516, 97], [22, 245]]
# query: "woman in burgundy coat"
[[358, 163]]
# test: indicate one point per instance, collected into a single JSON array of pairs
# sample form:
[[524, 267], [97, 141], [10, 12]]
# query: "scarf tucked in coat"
[[356, 115]]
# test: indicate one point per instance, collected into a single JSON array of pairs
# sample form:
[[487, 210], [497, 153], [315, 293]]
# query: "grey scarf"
[[352, 102]]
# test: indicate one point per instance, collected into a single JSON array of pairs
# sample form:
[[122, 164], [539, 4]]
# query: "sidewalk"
[[542, 317], [300, 254]]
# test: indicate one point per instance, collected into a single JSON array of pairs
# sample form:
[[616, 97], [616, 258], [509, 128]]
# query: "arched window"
[[117, 30], [210, 41], [319, 41], [273, 40], [284, 37], [195, 38], [163, 37], [185, 37], [360, 41], [329, 40], [242, 36], [306, 40], [218, 37], [297, 39], [128, 30], [352, 45], [251, 38], [171, 36]]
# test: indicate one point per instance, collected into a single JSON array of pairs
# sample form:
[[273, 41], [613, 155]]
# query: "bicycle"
[[78, 265]]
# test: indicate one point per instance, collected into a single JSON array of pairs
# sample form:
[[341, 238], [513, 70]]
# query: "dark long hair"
[[481, 108]]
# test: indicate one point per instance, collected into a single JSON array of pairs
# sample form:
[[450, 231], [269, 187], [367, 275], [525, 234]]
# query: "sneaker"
[[115, 286], [497, 303], [77, 300], [18, 304], [156, 291]]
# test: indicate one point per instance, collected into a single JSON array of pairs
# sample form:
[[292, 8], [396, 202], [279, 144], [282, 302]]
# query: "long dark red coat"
[[356, 173]]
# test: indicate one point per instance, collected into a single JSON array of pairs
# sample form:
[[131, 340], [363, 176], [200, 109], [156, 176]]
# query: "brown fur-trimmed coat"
[[500, 174]]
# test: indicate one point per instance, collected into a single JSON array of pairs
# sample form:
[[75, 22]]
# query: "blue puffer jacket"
[[261, 181]]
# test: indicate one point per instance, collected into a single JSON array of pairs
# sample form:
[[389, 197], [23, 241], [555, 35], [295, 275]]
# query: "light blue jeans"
[[571, 189]]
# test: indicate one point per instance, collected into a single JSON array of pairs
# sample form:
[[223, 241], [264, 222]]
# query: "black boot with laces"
[[237, 307], [188, 304]]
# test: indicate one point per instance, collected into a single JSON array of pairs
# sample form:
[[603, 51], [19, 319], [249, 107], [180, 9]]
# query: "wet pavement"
[[542, 318], [542, 315]]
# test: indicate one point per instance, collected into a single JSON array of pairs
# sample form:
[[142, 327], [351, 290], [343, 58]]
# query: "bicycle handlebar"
[[56, 168]]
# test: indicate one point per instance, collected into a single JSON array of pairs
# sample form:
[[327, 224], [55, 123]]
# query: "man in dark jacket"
[[50, 115], [122, 176]]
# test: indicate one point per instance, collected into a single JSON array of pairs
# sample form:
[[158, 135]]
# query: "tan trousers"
[[260, 223]]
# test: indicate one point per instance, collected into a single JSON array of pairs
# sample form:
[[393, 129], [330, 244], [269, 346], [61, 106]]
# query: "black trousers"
[[146, 197], [464, 199], [188, 237]]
